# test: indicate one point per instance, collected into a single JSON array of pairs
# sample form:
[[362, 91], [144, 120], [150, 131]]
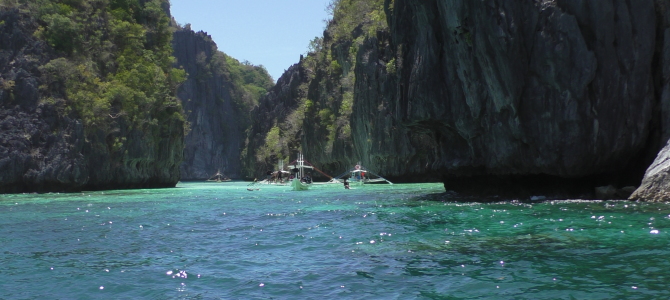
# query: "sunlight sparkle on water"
[[500, 247]]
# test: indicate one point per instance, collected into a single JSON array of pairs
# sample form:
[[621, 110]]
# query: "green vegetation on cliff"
[[248, 82], [114, 60], [325, 98], [251, 81], [96, 85]]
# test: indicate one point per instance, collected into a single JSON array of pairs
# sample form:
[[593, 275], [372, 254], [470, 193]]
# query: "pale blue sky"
[[272, 33]]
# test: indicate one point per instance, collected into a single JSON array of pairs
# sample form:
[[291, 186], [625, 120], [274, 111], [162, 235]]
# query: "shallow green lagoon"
[[220, 241]]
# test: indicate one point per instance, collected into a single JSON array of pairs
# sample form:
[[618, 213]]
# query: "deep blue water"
[[220, 241]]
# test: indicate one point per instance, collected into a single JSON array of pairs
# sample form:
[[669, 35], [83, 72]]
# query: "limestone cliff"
[[216, 97], [557, 88], [66, 125], [655, 185], [280, 103], [497, 97], [214, 140]]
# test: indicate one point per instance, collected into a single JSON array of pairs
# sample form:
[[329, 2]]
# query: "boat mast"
[[300, 166]]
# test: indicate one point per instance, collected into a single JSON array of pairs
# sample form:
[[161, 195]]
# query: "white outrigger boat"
[[360, 175], [300, 181]]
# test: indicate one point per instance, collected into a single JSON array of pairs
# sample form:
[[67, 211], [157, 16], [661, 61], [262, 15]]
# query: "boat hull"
[[296, 185]]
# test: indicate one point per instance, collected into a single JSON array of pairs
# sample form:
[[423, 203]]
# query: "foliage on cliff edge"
[[115, 60]]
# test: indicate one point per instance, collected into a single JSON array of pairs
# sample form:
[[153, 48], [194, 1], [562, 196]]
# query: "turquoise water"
[[220, 241]]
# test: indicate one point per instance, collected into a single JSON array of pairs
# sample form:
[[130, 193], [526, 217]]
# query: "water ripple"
[[205, 241]]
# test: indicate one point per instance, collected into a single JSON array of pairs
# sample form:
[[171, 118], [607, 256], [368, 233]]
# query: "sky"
[[272, 33]]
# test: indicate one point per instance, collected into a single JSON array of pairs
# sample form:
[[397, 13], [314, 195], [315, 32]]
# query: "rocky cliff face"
[[279, 103], [656, 182], [553, 88], [506, 97], [40, 147], [215, 138], [45, 147]]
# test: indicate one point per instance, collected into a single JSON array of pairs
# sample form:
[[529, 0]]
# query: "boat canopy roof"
[[303, 166]]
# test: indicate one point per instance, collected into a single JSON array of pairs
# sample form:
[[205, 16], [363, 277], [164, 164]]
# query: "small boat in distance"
[[360, 175], [219, 177]]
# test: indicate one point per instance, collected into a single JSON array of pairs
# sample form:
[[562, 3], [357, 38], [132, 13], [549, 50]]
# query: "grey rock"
[[217, 134], [562, 88], [655, 186], [512, 89]]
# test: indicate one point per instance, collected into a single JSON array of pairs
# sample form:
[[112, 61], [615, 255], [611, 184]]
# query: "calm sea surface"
[[220, 241]]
